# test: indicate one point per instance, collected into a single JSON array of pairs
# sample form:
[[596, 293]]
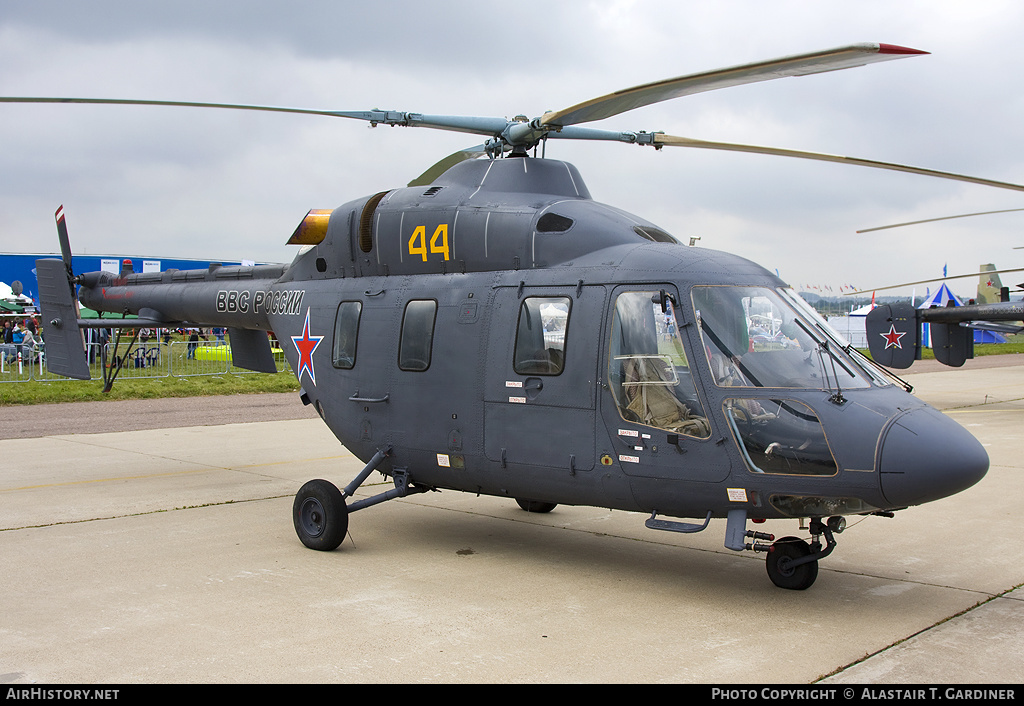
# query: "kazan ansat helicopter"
[[491, 329]]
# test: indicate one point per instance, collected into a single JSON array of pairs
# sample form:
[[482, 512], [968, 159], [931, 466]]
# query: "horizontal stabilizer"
[[952, 344], [894, 330], [250, 349], [65, 349], [894, 335]]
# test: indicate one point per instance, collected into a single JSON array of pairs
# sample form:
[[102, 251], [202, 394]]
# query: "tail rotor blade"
[[65, 244]]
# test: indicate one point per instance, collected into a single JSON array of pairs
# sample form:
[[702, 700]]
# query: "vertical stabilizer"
[[989, 285], [65, 353]]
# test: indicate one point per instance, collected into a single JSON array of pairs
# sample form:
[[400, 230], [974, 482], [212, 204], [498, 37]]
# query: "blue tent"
[[981, 336], [942, 297]]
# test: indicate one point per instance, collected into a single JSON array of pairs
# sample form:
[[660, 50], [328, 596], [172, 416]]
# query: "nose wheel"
[[793, 563], [788, 564]]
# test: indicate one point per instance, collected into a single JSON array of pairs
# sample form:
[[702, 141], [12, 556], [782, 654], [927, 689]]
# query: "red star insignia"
[[892, 339], [305, 345]]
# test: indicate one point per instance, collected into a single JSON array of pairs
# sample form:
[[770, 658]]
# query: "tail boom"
[[241, 299]]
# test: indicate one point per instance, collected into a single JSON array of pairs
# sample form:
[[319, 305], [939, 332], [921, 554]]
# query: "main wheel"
[[536, 505], [779, 559], [320, 515]]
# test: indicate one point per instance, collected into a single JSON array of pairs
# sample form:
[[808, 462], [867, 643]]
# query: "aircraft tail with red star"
[[894, 334], [894, 330], [989, 286]]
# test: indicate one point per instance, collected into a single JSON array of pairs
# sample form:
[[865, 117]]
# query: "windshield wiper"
[[863, 361], [823, 350]]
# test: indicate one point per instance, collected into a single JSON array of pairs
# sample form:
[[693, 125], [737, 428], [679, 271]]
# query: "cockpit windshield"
[[757, 337]]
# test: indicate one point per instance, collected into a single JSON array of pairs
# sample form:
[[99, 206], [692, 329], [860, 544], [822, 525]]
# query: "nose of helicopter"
[[925, 456]]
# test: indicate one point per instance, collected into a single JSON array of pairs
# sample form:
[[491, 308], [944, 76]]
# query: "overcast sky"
[[177, 182]]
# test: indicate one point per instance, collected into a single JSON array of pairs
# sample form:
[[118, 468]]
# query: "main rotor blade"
[[799, 65], [596, 109], [447, 163], [929, 281], [183, 104], [673, 141], [943, 218], [473, 125]]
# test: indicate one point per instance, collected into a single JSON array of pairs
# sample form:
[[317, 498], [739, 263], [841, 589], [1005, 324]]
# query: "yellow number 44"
[[438, 242]]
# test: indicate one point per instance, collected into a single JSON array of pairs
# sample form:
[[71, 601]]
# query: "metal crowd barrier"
[[149, 359]]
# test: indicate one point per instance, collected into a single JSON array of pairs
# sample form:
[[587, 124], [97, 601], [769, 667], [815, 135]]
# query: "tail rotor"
[[65, 349]]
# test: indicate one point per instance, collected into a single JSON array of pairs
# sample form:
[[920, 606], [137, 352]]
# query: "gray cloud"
[[223, 184]]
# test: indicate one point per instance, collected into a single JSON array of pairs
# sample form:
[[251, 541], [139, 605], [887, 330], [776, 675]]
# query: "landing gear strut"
[[793, 563], [320, 513]]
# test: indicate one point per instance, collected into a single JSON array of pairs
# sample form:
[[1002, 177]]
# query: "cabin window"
[[417, 335], [553, 223], [648, 368], [655, 235], [346, 333], [540, 336]]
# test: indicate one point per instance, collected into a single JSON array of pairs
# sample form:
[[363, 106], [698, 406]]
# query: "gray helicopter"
[[491, 329]]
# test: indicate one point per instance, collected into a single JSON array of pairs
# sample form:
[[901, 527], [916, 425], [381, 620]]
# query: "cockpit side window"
[[648, 367], [780, 437]]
